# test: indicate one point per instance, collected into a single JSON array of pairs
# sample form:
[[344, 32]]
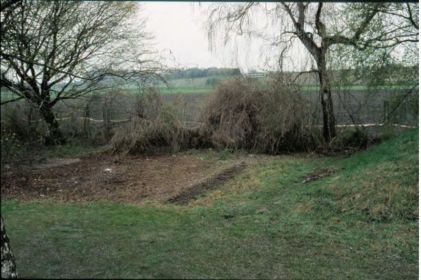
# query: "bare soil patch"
[[132, 179]]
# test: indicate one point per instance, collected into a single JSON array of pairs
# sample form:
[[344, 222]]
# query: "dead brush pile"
[[245, 114], [155, 125]]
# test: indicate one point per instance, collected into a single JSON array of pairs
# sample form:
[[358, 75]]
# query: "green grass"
[[69, 150], [200, 90], [15, 152], [358, 223], [358, 88]]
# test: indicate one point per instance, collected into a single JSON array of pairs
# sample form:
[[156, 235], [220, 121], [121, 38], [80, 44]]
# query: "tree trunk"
[[8, 265], [54, 135], [329, 122]]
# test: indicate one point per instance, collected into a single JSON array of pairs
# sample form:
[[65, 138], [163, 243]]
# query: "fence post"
[[386, 110]]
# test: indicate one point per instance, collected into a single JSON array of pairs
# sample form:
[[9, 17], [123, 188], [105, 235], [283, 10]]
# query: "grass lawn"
[[361, 222]]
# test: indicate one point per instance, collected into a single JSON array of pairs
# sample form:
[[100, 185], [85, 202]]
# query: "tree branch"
[[299, 27], [12, 100], [340, 39]]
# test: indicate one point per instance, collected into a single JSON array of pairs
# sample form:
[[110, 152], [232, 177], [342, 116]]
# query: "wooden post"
[[386, 111]]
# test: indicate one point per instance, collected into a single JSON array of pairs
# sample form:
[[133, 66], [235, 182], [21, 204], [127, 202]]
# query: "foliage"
[[80, 52], [62, 50], [20, 120], [11, 147], [19, 134], [354, 138], [364, 28]]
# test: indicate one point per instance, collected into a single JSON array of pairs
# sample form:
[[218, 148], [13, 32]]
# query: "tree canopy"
[[56, 50], [321, 30]]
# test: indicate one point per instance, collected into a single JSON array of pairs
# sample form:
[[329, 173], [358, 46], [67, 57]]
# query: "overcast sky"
[[179, 28], [180, 32]]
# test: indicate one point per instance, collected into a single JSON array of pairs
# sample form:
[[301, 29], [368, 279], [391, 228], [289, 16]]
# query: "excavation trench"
[[207, 184]]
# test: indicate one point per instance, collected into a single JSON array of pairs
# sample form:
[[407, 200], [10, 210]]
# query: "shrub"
[[11, 147], [22, 121], [21, 132], [354, 138], [244, 114], [156, 125]]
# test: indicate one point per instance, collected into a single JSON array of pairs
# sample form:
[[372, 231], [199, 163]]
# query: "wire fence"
[[397, 108]]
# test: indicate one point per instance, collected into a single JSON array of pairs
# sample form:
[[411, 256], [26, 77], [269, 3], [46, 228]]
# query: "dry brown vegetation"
[[156, 125], [239, 114], [243, 114]]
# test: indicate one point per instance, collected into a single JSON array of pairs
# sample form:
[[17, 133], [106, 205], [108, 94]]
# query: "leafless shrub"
[[21, 119], [156, 125], [149, 104], [270, 118]]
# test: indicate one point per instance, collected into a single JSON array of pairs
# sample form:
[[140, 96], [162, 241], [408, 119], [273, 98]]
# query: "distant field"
[[7, 95], [312, 88], [182, 86], [186, 90], [177, 90]]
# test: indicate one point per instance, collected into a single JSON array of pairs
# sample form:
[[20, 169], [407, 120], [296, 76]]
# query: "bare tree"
[[8, 265], [57, 50], [320, 26]]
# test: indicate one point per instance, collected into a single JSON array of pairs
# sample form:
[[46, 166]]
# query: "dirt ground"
[[132, 179]]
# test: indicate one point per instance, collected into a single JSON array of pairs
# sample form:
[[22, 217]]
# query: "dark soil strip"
[[206, 185], [318, 174]]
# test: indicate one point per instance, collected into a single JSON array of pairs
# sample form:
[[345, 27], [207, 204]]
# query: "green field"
[[191, 86], [361, 222], [6, 95], [186, 90]]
